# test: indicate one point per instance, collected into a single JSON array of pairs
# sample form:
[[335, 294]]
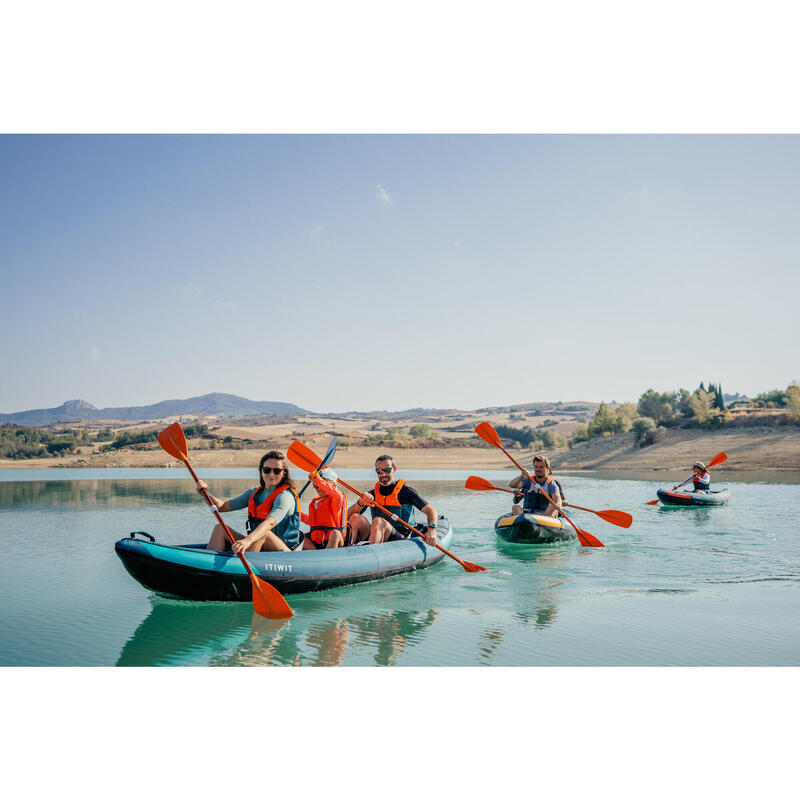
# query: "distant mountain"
[[221, 404]]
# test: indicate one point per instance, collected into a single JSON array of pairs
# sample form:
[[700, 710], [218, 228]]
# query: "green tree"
[[580, 433], [682, 406], [607, 421], [646, 430], [657, 405], [551, 439], [702, 405], [422, 431], [793, 402], [772, 399]]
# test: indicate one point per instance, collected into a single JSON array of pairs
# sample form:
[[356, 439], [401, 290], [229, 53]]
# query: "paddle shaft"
[[328, 456], [227, 530]]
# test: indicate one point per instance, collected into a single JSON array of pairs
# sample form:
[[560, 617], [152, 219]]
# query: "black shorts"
[[404, 533]]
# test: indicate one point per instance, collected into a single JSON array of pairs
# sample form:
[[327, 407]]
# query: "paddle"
[[267, 600], [326, 462], [718, 459], [611, 515], [489, 434], [305, 458]]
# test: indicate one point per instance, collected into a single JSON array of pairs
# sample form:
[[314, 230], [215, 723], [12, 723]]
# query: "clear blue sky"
[[370, 272]]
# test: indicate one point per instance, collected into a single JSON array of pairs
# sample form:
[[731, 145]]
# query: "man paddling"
[[534, 488], [397, 498]]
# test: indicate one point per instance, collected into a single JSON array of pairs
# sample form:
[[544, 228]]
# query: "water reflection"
[[230, 634], [696, 516], [107, 493], [390, 632], [543, 612], [553, 554]]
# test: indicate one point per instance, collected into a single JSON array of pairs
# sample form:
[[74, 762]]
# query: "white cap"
[[329, 475]]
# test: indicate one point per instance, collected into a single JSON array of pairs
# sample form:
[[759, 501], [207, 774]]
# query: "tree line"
[[657, 411]]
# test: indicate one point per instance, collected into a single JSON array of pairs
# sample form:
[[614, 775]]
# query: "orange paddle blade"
[[651, 502], [173, 440], [587, 540], [620, 518], [478, 484], [302, 457], [471, 567], [488, 434], [718, 459], [268, 601]]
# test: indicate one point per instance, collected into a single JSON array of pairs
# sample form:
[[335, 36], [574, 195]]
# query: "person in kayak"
[[273, 511], [700, 477], [327, 513], [534, 500], [398, 498]]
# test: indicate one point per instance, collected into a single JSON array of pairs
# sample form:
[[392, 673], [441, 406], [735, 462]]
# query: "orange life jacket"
[[327, 513], [392, 504], [288, 528]]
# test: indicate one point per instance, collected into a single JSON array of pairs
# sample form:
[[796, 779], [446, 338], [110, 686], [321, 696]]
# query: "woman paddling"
[[273, 511]]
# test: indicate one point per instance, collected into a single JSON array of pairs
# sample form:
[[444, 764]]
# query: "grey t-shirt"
[[282, 505]]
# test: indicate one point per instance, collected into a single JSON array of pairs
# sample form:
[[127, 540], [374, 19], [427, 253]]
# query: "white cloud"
[[229, 304], [191, 289], [384, 198], [316, 231], [94, 353]]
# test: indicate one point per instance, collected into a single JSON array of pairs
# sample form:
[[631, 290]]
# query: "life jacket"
[[288, 528], [534, 501], [324, 516], [703, 483], [392, 503]]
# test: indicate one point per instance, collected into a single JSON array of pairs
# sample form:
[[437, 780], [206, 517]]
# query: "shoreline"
[[753, 449]]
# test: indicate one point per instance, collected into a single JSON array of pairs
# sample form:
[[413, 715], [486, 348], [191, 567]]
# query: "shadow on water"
[[229, 634], [694, 516]]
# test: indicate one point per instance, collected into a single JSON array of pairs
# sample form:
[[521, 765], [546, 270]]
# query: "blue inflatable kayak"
[[715, 497], [191, 572], [532, 529]]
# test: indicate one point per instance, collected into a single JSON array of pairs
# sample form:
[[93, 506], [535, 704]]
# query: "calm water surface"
[[684, 586]]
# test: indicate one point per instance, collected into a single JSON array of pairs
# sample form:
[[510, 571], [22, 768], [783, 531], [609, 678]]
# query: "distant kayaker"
[[700, 477], [534, 500], [273, 511], [327, 513], [397, 497]]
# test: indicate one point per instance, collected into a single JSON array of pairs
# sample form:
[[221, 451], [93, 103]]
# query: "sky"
[[360, 272]]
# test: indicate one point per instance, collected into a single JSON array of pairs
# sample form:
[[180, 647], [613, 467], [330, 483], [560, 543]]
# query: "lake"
[[682, 586]]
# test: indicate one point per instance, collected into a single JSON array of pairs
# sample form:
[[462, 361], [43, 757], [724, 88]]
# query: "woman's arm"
[[221, 506]]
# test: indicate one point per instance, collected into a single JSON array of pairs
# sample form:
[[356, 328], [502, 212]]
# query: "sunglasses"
[[273, 470], [384, 470]]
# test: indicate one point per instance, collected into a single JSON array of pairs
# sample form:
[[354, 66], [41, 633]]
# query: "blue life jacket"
[[534, 501]]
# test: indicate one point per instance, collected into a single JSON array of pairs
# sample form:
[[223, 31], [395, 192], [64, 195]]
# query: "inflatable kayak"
[[532, 529], [716, 497], [191, 572]]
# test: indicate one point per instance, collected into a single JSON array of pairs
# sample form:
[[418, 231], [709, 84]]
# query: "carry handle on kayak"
[[134, 534]]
